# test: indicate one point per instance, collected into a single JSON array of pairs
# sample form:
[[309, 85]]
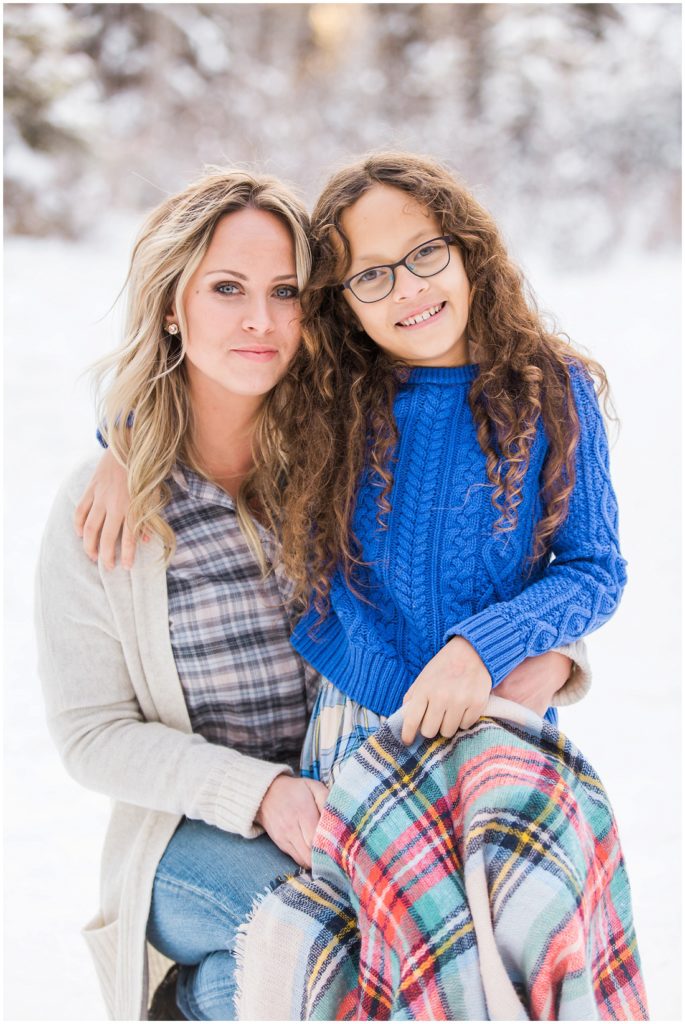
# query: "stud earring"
[[172, 329]]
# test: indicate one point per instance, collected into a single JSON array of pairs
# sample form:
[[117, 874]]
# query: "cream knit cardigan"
[[117, 714], [118, 717]]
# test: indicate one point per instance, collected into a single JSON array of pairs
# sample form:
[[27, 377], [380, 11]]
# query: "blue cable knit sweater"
[[439, 570]]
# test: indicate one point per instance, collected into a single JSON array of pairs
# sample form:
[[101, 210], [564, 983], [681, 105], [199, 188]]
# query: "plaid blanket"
[[477, 878]]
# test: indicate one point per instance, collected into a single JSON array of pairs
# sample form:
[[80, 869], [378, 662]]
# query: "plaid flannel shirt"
[[244, 684]]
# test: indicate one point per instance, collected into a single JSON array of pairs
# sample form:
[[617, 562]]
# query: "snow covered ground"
[[57, 297]]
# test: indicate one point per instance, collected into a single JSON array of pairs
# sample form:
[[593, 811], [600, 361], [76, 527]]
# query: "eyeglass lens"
[[427, 259]]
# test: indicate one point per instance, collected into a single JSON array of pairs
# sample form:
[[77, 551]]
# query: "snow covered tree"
[[564, 117]]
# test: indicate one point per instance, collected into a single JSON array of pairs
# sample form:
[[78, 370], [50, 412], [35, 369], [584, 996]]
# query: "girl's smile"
[[423, 317], [423, 320]]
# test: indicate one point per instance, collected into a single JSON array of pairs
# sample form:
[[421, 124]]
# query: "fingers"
[[101, 513], [82, 510], [290, 813], [451, 722], [108, 541], [449, 693], [310, 814], [100, 534], [106, 533], [299, 853], [320, 793], [470, 717], [307, 824], [432, 720], [413, 712], [91, 532], [128, 546], [409, 694]]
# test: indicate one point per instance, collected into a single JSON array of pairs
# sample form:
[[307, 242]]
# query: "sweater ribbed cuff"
[[234, 792], [495, 639]]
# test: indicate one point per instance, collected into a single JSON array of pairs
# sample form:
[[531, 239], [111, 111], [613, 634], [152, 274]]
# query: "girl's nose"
[[407, 285]]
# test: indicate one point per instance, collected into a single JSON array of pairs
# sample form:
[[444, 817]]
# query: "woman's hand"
[[535, 681], [289, 814], [101, 514], [449, 694]]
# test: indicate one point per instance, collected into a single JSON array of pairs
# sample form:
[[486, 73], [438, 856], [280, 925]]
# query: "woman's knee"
[[207, 991], [205, 885]]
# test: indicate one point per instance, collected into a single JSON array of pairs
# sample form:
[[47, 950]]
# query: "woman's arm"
[[558, 677], [107, 728]]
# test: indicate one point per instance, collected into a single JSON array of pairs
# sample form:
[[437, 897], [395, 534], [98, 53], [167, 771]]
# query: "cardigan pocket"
[[103, 942]]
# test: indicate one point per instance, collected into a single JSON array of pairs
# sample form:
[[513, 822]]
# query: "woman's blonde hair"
[[145, 402], [524, 379]]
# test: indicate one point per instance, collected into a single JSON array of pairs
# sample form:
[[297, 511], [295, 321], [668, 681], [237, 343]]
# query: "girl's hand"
[[289, 814], [535, 681], [449, 694], [100, 515]]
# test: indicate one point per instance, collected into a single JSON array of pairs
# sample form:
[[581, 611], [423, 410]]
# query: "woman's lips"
[[256, 355]]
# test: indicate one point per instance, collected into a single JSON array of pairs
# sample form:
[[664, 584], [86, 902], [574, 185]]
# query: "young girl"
[[459, 485]]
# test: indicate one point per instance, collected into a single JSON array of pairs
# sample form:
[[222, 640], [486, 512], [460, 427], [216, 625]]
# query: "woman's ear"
[[171, 324], [170, 315]]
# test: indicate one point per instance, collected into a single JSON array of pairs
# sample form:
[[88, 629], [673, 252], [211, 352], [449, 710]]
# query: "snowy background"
[[566, 119]]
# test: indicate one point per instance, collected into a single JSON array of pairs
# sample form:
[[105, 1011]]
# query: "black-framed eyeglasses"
[[376, 283]]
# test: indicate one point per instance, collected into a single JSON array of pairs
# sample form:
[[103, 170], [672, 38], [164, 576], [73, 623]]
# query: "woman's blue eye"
[[227, 288], [286, 291]]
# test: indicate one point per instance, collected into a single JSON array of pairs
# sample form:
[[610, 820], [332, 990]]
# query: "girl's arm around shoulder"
[[101, 515], [115, 733], [582, 586]]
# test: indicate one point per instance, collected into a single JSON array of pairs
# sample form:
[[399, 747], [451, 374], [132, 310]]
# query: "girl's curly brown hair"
[[343, 420]]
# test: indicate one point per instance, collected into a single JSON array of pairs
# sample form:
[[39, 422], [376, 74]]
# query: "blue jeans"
[[204, 887]]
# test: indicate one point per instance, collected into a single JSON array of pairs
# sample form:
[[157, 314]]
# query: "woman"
[[173, 689], [194, 739]]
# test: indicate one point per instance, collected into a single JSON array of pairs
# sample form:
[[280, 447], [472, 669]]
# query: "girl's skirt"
[[338, 727]]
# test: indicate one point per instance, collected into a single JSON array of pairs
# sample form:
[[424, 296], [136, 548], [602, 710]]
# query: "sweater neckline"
[[443, 374]]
